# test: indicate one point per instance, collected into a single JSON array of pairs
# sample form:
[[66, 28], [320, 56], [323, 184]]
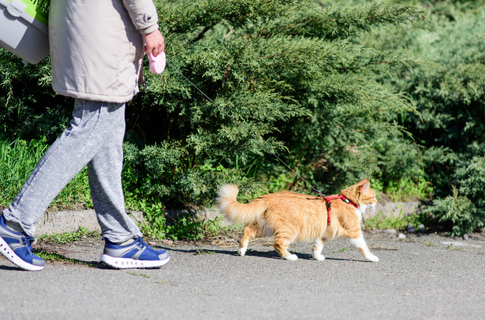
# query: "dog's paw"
[[242, 251], [291, 257], [372, 258]]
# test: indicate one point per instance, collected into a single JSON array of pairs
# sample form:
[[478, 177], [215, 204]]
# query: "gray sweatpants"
[[95, 139]]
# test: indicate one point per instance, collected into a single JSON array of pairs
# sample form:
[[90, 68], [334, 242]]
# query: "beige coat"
[[96, 47]]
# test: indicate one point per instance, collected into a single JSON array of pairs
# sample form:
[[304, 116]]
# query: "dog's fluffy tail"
[[237, 212]]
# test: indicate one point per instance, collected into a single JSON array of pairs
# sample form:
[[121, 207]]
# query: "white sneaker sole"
[[15, 259], [127, 263]]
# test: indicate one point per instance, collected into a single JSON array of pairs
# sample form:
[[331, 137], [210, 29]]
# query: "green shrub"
[[465, 208], [449, 93], [29, 108], [164, 173], [187, 227], [288, 77], [458, 210]]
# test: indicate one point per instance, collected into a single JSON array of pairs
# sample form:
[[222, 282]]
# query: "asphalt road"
[[420, 278]]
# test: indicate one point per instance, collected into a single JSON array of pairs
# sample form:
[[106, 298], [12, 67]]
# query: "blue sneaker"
[[134, 255], [17, 247]]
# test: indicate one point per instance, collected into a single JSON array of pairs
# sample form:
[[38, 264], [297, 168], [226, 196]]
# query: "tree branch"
[[201, 34]]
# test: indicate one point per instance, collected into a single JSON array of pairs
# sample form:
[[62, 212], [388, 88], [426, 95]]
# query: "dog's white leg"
[[317, 250], [362, 246]]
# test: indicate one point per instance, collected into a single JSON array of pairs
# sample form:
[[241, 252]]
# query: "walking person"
[[96, 49]]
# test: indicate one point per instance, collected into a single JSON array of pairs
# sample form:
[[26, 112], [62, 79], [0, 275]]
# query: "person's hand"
[[154, 43]]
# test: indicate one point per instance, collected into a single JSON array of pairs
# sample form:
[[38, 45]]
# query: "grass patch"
[[17, 160], [430, 243], [201, 252], [68, 237], [400, 222]]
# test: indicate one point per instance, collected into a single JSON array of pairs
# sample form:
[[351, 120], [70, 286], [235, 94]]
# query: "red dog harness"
[[329, 198]]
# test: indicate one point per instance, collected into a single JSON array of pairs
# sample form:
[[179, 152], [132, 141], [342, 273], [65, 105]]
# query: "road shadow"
[[11, 268], [255, 253], [57, 258]]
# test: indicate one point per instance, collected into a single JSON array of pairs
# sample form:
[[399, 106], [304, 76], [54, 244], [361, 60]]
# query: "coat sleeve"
[[143, 14]]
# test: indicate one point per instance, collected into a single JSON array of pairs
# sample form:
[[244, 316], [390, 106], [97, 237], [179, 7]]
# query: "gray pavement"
[[420, 278]]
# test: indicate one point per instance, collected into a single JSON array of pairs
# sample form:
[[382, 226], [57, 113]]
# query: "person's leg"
[[62, 161], [95, 138], [104, 172], [107, 193]]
